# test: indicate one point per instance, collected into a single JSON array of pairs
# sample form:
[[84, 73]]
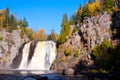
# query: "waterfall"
[[42, 57], [25, 54]]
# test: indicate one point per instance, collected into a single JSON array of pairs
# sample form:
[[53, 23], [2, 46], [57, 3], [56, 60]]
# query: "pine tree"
[[108, 5], [7, 17], [12, 22], [73, 20], [25, 23], [65, 29]]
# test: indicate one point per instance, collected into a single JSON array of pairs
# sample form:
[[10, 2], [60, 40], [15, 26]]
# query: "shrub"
[[1, 37], [102, 54], [67, 52], [76, 54], [63, 59]]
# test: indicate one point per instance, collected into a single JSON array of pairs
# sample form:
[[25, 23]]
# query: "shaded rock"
[[68, 71]]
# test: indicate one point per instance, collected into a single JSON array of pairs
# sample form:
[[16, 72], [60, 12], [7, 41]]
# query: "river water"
[[30, 75]]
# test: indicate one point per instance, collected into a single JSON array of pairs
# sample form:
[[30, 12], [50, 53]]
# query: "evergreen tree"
[[73, 19], [108, 5], [7, 17], [85, 12], [25, 23], [65, 29], [78, 14], [19, 22], [13, 23]]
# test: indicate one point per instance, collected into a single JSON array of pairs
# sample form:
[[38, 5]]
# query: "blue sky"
[[42, 14]]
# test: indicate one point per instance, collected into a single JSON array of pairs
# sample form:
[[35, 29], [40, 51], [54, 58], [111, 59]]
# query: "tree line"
[[9, 22]]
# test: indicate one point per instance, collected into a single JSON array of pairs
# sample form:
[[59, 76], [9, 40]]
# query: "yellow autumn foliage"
[[79, 11], [22, 32], [34, 35], [2, 18], [28, 31], [93, 7], [54, 36]]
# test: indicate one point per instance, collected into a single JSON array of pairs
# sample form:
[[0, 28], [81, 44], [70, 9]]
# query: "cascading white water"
[[43, 57], [25, 54]]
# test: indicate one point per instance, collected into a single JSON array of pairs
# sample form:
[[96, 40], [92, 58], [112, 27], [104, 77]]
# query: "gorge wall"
[[92, 32]]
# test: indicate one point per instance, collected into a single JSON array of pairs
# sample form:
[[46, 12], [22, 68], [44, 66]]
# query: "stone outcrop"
[[68, 71], [9, 46], [91, 32]]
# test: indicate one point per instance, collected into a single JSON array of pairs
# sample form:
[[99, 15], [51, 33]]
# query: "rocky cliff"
[[91, 32], [9, 46]]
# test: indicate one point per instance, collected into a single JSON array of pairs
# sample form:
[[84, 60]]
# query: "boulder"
[[68, 71]]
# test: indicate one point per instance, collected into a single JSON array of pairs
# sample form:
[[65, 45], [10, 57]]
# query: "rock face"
[[91, 32], [9, 46]]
